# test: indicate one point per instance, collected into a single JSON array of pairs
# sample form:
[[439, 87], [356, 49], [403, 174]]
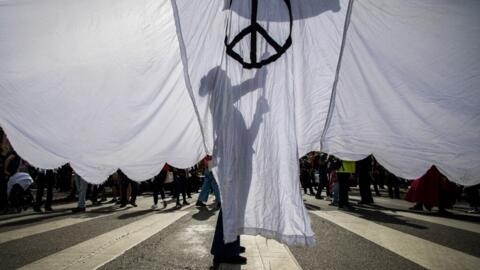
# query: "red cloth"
[[427, 189]]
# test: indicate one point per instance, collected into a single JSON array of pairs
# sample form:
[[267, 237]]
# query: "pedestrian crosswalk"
[[425, 253], [96, 252], [120, 247]]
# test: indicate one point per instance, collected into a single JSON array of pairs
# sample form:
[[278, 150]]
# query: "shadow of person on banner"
[[232, 152]]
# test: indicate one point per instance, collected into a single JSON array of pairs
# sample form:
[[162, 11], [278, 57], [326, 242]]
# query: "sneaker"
[[154, 206], [185, 203], [164, 204], [133, 204], [78, 209], [48, 208], [201, 204], [122, 205]]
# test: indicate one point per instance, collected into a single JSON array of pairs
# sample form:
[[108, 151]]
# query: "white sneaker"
[[154, 207]]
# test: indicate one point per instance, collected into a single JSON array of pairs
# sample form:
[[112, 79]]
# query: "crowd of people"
[[19, 180], [320, 171]]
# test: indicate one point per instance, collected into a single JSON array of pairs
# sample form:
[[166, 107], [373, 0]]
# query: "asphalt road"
[[107, 237]]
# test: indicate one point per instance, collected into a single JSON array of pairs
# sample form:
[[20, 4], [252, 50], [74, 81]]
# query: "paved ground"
[[382, 236]]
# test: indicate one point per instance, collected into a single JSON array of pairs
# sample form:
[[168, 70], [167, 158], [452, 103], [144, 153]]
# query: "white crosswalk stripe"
[[463, 225], [265, 253], [44, 227]]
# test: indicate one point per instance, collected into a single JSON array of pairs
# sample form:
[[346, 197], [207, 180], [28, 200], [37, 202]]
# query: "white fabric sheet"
[[409, 88], [259, 121], [98, 84]]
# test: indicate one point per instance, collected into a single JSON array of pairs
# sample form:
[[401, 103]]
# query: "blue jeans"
[[82, 191], [209, 182]]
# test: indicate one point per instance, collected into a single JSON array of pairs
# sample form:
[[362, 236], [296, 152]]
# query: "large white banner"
[[107, 84], [409, 88]]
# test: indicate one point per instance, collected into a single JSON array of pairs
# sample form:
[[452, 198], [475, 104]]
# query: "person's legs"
[[50, 183], [94, 197], [203, 196], [343, 190], [318, 194], [375, 187], [161, 190], [133, 196], [225, 252], [3, 192], [216, 192], [183, 189], [82, 186], [155, 185], [335, 194], [123, 192], [16, 197], [41, 179], [365, 192], [176, 189]]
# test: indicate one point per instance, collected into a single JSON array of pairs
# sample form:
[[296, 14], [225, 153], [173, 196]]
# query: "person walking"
[[124, 182], [209, 183], [45, 178], [363, 169], [158, 182], [82, 186]]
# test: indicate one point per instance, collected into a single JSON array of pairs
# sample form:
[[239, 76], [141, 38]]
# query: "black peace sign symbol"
[[253, 29]]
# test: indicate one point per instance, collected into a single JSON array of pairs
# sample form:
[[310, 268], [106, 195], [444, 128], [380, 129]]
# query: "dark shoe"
[[178, 205], [442, 211], [241, 249], [318, 197], [230, 260], [78, 209], [185, 203], [164, 204], [48, 208], [122, 205], [37, 209], [201, 204], [133, 204], [114, 200]]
